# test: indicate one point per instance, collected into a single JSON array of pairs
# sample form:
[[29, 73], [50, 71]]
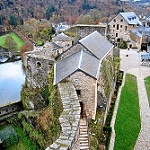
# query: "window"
[[114, 26], [116, 34], [78, 92], [126, 28], [117, 26], [114, 20], [121, 20], [108, 27], [38, 64], [120, 26]]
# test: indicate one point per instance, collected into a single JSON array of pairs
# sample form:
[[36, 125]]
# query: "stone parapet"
[[69, 119]]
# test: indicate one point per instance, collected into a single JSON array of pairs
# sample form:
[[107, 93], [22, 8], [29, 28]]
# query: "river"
[[12, 76]]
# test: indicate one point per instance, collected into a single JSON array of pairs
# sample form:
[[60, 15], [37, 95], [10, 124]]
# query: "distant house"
[[141, 37], [55, 49], [119, 26], [63, 41], [81, 64]]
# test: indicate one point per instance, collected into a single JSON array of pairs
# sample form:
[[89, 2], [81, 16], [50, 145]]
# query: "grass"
[[147, 84], [16, 39], [39, 43], [128, 123], [24, 142]]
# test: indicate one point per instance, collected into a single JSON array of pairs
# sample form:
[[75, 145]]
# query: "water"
[[12, 76]]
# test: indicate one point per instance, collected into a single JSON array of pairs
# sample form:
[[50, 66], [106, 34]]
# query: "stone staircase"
[[84, 137]]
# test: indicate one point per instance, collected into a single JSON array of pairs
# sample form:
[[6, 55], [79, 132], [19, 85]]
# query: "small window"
[[126, 28], [116, 34], [114, 20], [121, 20], [117, 26], [38, 64], [120, 26], [78, 92], [114, 26]]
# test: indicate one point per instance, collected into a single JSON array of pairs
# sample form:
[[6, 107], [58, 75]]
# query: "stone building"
[[56, 49], [94, 44], [81, 64], [119, 26], [63, 41], [38, 65], [141, 37], [136, 37], [83, 30]]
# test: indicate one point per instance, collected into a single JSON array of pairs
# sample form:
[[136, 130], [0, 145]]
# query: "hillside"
[[39, 9]]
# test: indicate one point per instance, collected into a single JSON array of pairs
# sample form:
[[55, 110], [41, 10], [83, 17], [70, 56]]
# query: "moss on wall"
[[42, 125]]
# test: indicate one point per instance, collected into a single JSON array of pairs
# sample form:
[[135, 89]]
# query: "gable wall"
[[122, 32], [88, 87]]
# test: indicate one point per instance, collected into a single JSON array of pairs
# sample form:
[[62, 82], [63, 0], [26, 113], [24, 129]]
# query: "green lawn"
[[147, 84], [128, 123], [15, 37]]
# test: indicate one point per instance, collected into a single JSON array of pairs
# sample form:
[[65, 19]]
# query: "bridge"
[[6, 56]]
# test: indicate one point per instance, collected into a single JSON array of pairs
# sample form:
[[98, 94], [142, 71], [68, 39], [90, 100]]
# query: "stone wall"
[[64, 44], [69, 119], [37, 70], [116, 52], [106, 82], [10, 108], [136, 39], [84, 30], [88, 91]]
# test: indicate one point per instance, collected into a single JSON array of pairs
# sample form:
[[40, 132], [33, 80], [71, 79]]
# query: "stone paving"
[[132, 65]]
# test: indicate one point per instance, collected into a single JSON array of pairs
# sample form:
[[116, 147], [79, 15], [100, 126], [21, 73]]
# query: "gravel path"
[[132, 65]]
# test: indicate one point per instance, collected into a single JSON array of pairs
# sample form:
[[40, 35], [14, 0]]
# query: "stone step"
[[84, 144], [84, 148], [83, 138], [83, 126], [85, 141], [83, 130], [83, 135]]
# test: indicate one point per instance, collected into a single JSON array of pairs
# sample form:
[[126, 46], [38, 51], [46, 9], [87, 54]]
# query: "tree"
[[8, 40], [12, 20], [12, 46], [27, 46], [21, 21], [49, 11], [1, 21]]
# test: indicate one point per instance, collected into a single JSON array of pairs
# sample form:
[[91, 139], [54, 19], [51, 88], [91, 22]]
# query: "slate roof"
[[97, 44], [144, 30], [61, 37], [136, 33], [80, 61], [131, 18]]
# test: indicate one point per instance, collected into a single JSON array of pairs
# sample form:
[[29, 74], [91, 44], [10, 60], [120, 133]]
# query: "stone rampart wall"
[[10, 108], [69, 119]]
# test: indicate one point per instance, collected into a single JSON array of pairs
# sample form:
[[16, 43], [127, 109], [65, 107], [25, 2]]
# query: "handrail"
[[87, 130]]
